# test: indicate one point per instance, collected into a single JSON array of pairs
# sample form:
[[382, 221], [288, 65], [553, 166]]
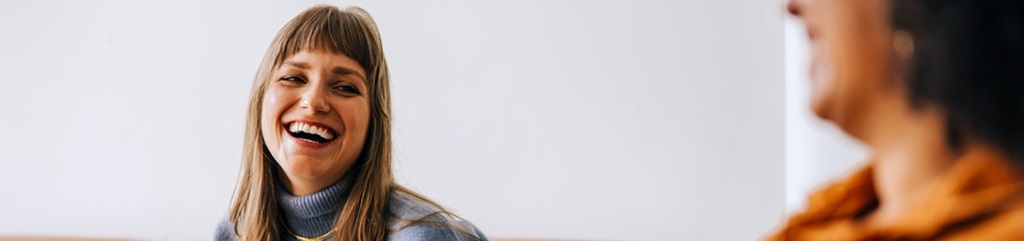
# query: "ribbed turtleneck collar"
[[312, 215]]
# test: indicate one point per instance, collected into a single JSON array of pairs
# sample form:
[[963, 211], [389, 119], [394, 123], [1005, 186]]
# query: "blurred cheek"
[[845, 57], [823, 80]]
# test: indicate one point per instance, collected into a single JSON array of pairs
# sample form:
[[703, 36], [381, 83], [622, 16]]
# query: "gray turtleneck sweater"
[[314, 215]]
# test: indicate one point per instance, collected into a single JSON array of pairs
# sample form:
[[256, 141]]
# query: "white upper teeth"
[[311, 129]]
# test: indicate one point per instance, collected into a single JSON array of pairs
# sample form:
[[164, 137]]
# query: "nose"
[[314, 101], [794, 7]]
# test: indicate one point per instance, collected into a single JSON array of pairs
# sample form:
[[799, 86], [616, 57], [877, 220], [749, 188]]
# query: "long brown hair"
[[365, 214]]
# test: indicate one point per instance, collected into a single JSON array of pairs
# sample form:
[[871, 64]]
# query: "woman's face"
[[315, 114], [851, 48]]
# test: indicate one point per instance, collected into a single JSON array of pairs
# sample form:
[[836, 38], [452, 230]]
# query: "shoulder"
[[225, 230], [1005, 225], [417, 219]]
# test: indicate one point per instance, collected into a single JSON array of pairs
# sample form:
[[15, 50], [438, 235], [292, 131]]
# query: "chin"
[[820, 107], [305, 168], [830, 112]]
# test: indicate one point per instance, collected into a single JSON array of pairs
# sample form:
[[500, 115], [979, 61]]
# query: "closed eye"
[[294, 79], [348, 89]]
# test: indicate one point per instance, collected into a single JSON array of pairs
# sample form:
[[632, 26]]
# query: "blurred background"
[[602, 120]]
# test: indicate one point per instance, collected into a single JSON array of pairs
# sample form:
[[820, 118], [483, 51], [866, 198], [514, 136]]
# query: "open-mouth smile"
[[310, 132]]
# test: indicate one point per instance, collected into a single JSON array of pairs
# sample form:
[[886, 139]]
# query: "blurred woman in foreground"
[[936, 90]]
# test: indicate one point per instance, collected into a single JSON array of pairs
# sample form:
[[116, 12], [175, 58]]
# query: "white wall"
[[633, 120], [817, 152]]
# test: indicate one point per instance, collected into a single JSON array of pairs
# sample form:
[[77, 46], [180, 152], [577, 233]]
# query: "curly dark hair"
[[968, 61]]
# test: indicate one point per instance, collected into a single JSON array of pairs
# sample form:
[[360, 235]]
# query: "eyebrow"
[[300, 65], [344, 71], [337, 70]]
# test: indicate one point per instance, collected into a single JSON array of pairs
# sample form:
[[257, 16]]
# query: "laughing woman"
[[317, 152]]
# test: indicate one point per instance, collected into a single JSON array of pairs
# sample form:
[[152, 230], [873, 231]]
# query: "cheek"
[[356, 116], [270, 117]]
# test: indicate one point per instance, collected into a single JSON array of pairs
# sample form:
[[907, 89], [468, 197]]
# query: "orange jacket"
[[981, 197]]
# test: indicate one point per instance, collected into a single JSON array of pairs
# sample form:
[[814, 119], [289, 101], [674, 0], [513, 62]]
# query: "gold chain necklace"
[[300, 238]]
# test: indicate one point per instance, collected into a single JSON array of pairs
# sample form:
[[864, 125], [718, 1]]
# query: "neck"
[[909, 153], [312, 215]]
